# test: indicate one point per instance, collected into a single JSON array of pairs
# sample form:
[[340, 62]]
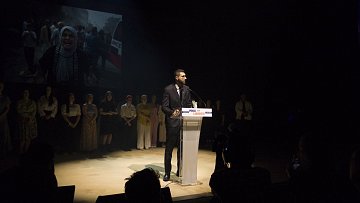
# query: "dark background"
[[296, 60]]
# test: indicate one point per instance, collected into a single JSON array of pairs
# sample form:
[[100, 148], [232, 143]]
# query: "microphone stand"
[[202, 101]]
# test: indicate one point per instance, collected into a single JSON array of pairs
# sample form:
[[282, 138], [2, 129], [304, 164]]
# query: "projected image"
[[65, 45]]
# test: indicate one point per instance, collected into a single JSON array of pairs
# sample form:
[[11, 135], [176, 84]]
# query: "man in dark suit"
[[176, 96]]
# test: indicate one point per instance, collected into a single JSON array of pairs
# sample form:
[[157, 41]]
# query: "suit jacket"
[[171, 101]]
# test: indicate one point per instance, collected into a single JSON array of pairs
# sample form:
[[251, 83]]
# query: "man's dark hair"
[[239, 148], [177, 71]]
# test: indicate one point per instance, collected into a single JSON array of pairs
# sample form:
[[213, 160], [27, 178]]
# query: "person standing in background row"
[[128, 121], [207, 127], [88, 136], [71, 114], [108, 115], [243, 108], [154, 121], [175, 96], [47, 109], [26, 109], [143, 123], [244, 111]]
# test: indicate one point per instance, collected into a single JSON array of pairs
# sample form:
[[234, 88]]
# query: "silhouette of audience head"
[[312, 154], [39, 183], [143, 186], [239, 151], [316, 179], [313, 150], [240, 181], [33, 180]]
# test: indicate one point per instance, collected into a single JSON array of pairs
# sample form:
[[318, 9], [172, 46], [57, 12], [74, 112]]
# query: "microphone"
[[202, 101]]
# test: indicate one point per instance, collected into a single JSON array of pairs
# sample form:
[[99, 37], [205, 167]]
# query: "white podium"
[[189, 143]]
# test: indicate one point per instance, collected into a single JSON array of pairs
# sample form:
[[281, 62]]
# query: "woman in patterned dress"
[[26, 109], [88, 137]]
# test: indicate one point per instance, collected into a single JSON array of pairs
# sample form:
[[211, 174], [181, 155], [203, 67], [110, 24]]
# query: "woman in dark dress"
[[108, 116], [71, 113]]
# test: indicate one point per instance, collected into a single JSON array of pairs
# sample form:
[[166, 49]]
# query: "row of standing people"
[[85, 127]]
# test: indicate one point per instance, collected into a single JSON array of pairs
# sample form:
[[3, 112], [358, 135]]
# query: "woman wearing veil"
[[64, 64]]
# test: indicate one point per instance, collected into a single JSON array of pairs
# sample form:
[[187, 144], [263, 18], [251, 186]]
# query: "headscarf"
[[66, 60], [73, 31]]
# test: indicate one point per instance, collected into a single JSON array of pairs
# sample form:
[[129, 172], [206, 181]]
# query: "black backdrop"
[[288, 56]]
